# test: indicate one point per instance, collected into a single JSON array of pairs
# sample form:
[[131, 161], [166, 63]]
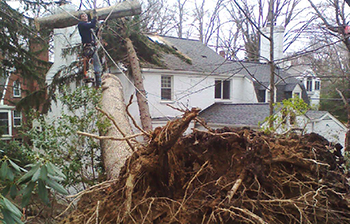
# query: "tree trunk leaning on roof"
[[114, 153], [138, 82]]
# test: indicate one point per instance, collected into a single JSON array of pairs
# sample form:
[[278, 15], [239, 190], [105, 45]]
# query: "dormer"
[[313, 87]]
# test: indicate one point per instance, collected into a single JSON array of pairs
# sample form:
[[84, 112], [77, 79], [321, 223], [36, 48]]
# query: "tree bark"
[[145, 116], [126, 8], [114, 153]]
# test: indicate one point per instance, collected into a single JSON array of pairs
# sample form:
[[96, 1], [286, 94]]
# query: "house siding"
[[184, 93], [329, 129]]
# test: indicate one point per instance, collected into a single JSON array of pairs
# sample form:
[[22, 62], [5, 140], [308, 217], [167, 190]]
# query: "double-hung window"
[[166, 87], [17, 118], [317, 85], [309, 84], [222, 89], [16, 89]]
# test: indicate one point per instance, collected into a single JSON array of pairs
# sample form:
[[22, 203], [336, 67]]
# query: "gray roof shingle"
[[315, 114], [245, 114], [248, 114]]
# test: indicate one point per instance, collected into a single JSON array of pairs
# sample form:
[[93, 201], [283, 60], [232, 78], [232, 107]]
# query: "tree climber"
[[89, 45]]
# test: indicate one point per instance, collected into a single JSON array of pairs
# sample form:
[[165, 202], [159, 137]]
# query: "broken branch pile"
[[229, 176]]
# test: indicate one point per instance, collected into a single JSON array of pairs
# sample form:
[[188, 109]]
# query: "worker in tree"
[[89, 44]]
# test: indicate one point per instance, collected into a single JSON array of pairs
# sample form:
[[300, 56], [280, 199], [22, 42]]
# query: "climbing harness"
[[87, 53]]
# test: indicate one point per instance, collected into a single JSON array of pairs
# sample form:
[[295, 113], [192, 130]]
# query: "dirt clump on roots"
[[223, 176]]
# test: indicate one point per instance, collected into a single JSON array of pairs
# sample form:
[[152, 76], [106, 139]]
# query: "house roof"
[[247, 114], [204, 59], [315, 114]]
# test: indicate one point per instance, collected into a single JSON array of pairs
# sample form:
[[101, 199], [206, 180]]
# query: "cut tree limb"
[[66, 19]]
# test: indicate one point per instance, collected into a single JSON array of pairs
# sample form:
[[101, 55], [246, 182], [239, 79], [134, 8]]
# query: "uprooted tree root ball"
[[228, 176]]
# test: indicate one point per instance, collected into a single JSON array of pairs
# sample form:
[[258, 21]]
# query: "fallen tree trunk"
[[114, 153], [66, 19]]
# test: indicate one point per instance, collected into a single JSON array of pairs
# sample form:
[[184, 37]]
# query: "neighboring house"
[[253, 116], [12, 88], [203, 79], [311, 82], [300, 71], [11, 92]]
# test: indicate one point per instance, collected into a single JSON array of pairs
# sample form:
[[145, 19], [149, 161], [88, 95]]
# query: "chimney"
[[265, 43], [222, 54]]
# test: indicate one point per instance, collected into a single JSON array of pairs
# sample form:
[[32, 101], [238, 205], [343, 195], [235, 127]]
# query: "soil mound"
[[225, 176]]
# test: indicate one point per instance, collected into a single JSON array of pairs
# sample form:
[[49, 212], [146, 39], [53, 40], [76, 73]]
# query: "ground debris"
[[229, 176]]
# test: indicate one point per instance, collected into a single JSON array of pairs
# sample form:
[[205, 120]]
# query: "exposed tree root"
[[229, 176]]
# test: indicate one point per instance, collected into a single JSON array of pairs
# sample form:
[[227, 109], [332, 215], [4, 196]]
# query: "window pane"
[[4, 123], [17, 122], [166, 81], [262, 95], [17, 114], [166, 94], [217, 89], [226, 90]]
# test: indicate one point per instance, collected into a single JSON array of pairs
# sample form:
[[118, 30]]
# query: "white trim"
[[222, 89], [4, 91], [9, 117], [19, 88], [171, 89], [6, 107], [20, 118]]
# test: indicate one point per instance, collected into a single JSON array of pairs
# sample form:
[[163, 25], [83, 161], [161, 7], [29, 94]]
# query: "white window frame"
[[167, 87], [16, 88], [267, 96], [17, 118], [9, 124], [222, 88]]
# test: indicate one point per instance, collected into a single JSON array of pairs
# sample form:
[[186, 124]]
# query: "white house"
[[203, 79], [195, 77]]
